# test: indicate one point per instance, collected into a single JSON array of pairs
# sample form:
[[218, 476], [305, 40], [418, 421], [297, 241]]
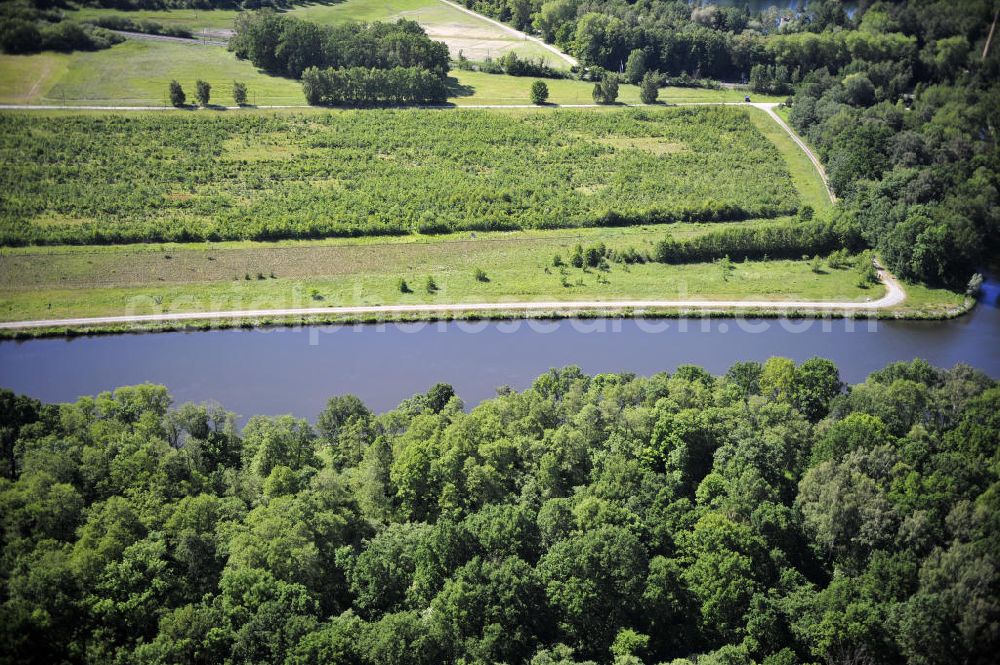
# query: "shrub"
[[480, 275], [598, 93], [649, 89], [609, 88], [177, 96], [239, 93], [539, 92], [403, 286], [203, 91]]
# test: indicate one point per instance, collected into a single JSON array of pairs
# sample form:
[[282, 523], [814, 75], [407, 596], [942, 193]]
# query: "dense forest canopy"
[[770, 515]]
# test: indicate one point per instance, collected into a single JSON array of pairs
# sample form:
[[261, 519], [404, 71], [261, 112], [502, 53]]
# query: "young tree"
[[598, 93], [203, 92], [177, 96], [239, 93], [635, 66], [609, 88], [539, 92], [649, 89]]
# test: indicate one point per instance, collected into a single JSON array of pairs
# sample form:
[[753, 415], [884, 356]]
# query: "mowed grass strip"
[[511, 277], [113, 178], [807, 179]]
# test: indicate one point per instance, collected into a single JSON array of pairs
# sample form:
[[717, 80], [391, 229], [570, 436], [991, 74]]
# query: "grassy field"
[[57, 282], [128, 177], [136, 73], [198, 21], [48, 283], [89, 266]]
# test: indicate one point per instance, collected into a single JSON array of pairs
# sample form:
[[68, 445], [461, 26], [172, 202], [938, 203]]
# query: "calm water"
[[289, 370]]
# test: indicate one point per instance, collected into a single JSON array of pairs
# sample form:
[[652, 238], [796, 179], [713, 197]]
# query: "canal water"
[[294, 370]]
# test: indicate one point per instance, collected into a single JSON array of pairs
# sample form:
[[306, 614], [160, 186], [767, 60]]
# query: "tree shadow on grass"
[[456, 89]]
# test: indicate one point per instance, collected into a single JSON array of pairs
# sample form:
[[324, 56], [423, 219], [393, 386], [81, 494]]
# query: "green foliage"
[[239, 93], [764, 516], [27, 27], [635, 66], [201, 177], [609, 89], [778, 241], [177, 96], [649, 88], [288, 46], [539, 92], [361, 86], [203, 92]]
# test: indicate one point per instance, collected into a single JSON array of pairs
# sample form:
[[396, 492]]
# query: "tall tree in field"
[[635, 66], [239, 93], [203, 92], [649, 89], [539, 92], [177, 96], [609, 88]]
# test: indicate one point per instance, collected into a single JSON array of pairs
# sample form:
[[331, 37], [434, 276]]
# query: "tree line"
[[772, 241], [361, 86], [769, 515]]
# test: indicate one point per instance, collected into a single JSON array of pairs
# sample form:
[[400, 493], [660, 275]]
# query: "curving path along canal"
[[893, 296]]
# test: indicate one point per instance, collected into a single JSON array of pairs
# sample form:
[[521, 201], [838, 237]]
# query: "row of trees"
[[773, 241], [511, 64], [361, 86], [672, 37], [288, 46], [770, 515], [203, 93]]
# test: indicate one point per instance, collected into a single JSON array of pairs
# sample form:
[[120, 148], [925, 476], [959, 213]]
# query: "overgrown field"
[[91, 179]]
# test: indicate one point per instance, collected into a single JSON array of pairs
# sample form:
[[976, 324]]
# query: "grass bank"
[[39, 283]]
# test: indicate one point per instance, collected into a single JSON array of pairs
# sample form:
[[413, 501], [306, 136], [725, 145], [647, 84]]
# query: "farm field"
[[96, 178]]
